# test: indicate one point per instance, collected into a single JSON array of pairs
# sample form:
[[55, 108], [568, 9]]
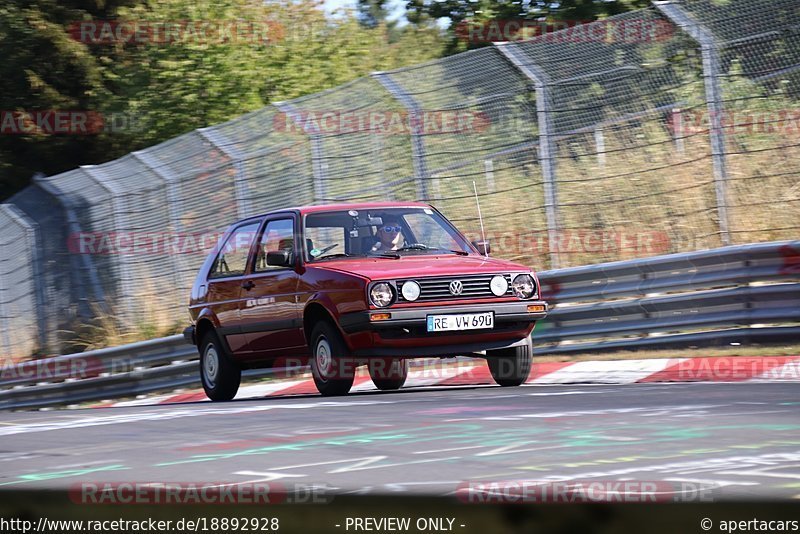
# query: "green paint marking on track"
[[575, 442], [35, 477]]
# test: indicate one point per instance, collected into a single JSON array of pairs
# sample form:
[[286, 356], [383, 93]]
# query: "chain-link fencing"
[[668, 129]]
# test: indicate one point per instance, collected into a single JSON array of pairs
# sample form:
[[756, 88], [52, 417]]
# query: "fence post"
[[546, 142], [118, 213], [31, 231], [488, 167], [678, 130], [84, 260], [173, 199], [600, 145], [8, 359], [240, 179], [317, 165], [711, 69], [416, 120], [377, 153]]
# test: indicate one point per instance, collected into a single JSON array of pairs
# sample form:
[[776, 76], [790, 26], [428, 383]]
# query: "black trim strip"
[[270, 326]]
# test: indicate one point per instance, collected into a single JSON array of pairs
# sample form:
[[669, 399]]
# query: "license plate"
[[462, 321]]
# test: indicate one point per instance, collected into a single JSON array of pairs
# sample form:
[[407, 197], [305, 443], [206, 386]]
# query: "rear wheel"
[[388, 373], [331, 366], [510, 367], [219, 374]]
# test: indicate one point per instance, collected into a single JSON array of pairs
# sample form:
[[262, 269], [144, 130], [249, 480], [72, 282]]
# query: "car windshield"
[[380, 232]]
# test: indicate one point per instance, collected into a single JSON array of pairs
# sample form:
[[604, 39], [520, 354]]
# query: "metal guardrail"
[[720, 295], [746, 293]]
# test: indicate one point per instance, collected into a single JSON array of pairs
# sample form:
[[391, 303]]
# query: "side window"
[[232, 257], [278, 235]]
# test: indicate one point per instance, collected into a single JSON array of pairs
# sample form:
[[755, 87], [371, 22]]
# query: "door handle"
[[248, 285]]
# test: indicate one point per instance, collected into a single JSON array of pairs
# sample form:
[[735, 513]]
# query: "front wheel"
[[332, 368], [510, 367], [218, 372], [388, 373]]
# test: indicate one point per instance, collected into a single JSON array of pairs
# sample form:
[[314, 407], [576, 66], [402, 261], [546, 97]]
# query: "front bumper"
[[188, 335], [504, 312]]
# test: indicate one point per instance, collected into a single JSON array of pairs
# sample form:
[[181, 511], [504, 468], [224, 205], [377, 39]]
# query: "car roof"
[[349, 206]]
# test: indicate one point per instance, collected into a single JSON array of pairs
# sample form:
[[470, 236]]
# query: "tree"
[[43, 68], [164, 89], [460, 12], [372, 13]]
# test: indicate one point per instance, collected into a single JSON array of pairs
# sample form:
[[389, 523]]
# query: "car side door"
[[270, 315], [225, 284]]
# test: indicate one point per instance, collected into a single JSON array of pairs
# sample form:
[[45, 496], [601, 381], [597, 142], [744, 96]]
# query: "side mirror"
[[279, 258], [483, 247]]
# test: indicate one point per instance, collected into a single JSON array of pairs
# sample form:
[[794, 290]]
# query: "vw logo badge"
[[456, 287]]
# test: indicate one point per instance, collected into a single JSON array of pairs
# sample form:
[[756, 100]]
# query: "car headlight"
[[381, 294], [410, 291], [499, 285], [523, 285]]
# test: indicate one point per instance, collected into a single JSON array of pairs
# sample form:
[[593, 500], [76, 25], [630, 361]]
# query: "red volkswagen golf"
[[340, 286]]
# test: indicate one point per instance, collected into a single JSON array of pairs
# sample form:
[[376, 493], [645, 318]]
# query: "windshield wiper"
[[422, 246], [337, 255], [386, 255], [414, 246]]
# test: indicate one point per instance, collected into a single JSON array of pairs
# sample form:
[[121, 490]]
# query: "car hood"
[[418, 266]]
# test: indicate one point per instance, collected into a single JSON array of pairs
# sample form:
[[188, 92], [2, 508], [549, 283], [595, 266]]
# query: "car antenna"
[[480, 218]]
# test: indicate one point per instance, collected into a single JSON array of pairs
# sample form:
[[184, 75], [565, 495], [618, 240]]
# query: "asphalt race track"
[[741, 439]]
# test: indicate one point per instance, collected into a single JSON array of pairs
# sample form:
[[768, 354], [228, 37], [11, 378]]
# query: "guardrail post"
[[711, 69], [240, 179], [317, 165], [546, 142], [416, 120]]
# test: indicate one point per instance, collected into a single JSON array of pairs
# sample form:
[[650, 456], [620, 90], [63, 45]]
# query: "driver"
[[390, 234]]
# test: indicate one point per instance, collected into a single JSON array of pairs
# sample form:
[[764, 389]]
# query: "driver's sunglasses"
[[392, 228]]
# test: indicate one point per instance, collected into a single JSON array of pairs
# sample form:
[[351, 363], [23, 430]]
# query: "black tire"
[[510, 367], [331, 366], [388, 373], [219, 374]]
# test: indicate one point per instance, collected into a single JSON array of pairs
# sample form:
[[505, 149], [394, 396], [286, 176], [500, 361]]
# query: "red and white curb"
[[712, 369]]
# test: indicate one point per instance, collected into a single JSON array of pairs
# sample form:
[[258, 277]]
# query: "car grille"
[[475, 286]]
